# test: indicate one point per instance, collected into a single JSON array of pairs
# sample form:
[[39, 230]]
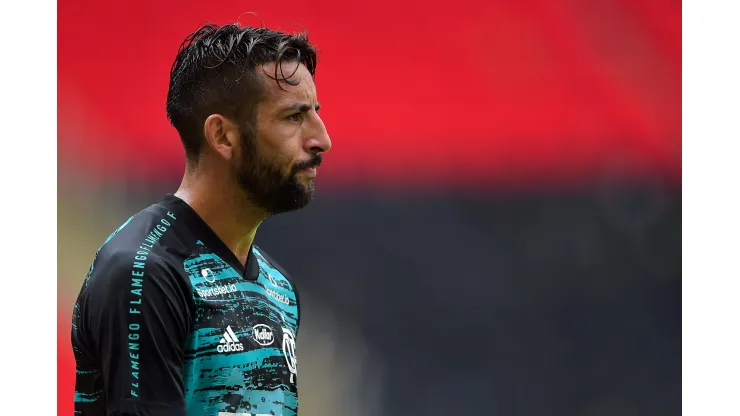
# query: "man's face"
[[278, 160]]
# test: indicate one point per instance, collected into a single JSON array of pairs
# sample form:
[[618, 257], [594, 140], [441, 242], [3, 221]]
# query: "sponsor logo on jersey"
[[271, 279], [213, 291], [263, 335], [289, 353], [277, 296], [208, 275], [218, 290], [229, 342]]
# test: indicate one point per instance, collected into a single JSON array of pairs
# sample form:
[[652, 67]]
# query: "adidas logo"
[[229, 342]]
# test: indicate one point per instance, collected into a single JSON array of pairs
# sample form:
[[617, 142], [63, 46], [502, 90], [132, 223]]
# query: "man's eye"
[[296, 117]]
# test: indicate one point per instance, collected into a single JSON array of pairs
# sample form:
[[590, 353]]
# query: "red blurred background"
[[478, 91]]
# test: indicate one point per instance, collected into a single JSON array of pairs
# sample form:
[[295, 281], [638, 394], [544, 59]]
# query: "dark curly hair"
[[214, 73]]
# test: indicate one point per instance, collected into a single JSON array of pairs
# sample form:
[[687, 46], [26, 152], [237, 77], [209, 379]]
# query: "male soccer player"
[[180, 313]]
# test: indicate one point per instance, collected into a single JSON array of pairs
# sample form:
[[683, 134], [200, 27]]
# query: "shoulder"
[[133, 251], [117, 266], [136, 244], [146, 226]]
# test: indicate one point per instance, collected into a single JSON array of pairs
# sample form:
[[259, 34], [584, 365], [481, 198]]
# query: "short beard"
[[263, 181]]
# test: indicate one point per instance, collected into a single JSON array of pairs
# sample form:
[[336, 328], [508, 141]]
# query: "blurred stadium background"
[[497, 229]]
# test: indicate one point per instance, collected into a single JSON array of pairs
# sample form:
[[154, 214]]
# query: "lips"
[[310, 171], [309, 167]]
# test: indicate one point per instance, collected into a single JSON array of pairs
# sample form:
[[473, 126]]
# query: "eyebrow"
[[302, 107]]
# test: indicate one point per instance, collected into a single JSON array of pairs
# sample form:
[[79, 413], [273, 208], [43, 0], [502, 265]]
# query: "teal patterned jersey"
[[169, 322]]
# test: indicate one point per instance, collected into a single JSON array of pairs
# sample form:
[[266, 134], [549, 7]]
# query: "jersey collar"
[[211, 239]]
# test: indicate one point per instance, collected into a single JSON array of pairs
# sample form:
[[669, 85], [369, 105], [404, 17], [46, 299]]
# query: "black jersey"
[[169, 322]]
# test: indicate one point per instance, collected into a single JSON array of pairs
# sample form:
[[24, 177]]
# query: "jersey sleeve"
[[137, 316]]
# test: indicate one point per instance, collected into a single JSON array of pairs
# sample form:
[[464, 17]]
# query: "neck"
[[225, 209]]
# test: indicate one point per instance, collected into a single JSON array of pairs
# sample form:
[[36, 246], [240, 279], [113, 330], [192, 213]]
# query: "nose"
[[318, 139]]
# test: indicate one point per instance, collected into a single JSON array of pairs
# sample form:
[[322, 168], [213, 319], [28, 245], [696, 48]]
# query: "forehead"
[[304, 90]]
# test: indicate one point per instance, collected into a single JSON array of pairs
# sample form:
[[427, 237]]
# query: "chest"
[[240, 354]]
